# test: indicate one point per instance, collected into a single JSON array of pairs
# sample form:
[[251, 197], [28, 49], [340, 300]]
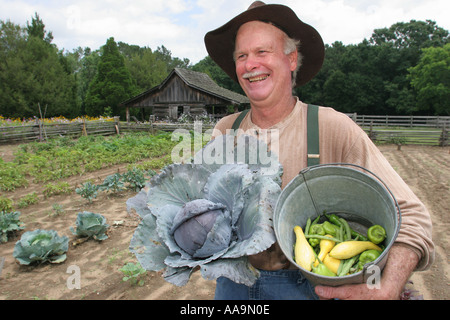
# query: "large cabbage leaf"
[[238, 199]]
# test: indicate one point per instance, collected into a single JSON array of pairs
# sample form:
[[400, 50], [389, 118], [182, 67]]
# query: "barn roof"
[[195, 80]]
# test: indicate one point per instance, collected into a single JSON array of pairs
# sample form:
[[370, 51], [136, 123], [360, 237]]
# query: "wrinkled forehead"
[[258, 31]]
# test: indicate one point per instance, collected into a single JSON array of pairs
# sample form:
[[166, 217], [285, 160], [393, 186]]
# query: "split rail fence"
[[418, 130]]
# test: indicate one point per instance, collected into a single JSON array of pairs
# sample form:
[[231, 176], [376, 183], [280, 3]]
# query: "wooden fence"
[[427, 130], [401, 121], [41, 131]]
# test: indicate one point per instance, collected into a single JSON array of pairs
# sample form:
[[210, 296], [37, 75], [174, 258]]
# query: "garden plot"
[[425, 169]]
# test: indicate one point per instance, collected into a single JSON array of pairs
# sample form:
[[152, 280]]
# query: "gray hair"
[[290, 45]]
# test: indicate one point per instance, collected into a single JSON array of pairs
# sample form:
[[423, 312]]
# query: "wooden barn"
[[185, 91]]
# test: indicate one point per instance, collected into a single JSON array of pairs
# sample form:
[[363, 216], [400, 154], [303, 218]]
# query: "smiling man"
[[269, 51], [264, 64]]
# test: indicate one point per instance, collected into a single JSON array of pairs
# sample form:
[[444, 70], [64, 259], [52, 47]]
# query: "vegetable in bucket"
[[342, 251]]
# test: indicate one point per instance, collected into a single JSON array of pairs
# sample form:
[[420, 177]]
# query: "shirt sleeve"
[[416, 226]]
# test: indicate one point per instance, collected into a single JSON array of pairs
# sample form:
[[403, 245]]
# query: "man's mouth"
[[258, 78]]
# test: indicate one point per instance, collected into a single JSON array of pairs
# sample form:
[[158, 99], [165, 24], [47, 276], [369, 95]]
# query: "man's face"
[[262, 67]]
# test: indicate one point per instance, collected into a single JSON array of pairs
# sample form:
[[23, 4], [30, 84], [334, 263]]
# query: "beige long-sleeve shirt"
[[341, 141]]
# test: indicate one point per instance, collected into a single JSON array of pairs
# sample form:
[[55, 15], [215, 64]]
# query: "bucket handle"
[[303, 171], [399, 215]]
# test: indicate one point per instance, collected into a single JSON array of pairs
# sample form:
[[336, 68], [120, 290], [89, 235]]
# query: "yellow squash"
[[303, 253], [331, 263], [325, 247], [348, 249]]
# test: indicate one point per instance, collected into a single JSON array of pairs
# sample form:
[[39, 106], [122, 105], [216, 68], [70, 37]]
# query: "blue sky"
[[180, 25]]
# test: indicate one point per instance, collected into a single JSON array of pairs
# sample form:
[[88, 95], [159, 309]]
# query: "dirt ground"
[[425, 169]]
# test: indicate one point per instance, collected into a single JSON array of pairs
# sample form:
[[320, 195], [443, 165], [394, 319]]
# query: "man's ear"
[[293, 59]]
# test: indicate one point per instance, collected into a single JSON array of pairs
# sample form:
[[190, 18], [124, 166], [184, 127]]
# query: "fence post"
[[84, 131], [443, 140], [117, 124]]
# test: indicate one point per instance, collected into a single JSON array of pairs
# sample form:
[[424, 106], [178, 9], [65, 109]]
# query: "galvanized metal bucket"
[[350, 191]]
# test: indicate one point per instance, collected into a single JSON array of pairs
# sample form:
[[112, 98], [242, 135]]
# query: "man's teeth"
[[260, 78]]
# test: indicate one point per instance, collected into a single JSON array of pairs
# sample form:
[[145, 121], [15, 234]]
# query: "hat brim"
[[220, 42]]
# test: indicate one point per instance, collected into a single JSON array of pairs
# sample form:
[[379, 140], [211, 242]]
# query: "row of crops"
[[64, 157], [49, 163]]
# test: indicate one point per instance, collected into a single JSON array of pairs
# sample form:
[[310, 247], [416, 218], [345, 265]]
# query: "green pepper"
[[322, 270], [330, 228], [317, 229], [358, 235], [334, 219], [368, 256], [314, 242], [376, 234]]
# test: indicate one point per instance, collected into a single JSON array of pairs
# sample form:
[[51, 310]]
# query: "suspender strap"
[[312, 132], [313, 135], [239, 119]]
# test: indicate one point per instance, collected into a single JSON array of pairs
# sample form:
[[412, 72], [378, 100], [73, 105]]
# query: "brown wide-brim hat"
[[220, 42]]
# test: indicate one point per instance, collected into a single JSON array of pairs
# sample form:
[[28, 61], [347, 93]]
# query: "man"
[[268, 50]]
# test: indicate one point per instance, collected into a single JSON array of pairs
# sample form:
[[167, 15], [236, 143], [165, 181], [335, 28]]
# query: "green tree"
[[32, 73], [431, 80], [165, 55], [37, 29], [146, 69], [112, 83]]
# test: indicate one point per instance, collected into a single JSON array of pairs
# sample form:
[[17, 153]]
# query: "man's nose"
[[251, 63]]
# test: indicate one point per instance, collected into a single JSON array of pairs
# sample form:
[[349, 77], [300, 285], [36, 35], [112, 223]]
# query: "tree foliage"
[[431, 80], [373, 76], [32, 73], [112, 83], [401, 69]]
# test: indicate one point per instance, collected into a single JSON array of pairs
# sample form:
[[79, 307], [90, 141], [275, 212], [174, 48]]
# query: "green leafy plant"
[[28, 200], [88, 190], [135, 178], [91, 225], [9, 222], [11, 177], [112, 183], [133, 272], [52, 189], [57, 210], [40, 246], [6, 204]]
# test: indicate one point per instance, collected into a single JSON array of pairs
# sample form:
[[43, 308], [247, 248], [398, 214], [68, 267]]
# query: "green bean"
[[347, 265], [308, 224], [316, 236], [316, 220], [341, 232], [348, 233]]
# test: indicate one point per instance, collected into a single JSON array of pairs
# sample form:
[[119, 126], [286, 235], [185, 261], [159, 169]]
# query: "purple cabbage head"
[[202, 228]]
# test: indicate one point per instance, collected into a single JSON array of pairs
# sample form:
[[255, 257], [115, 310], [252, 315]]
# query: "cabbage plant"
[[9, 223], [39, 246], [91, 225], [207, 216]]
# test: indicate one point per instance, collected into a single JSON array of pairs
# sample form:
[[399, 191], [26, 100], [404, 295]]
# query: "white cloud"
[[180, 25]]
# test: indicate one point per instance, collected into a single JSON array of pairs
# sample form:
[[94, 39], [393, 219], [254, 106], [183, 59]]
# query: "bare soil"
[[425, 169]]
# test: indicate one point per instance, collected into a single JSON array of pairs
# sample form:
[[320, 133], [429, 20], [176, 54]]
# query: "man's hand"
[[399, 266]]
